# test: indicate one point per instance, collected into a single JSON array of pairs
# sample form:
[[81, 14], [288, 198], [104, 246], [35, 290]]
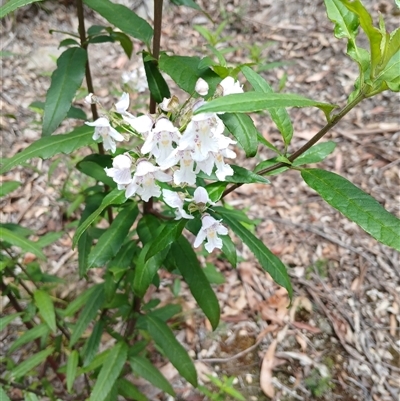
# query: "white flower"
[[122, 105], [210, 227], [136, 79], [200, 196], [120, 172], [170, 104], [201, 135], [159, 142], [175, 200], [90, 99], [142, 124], [144, 181], [201, 87], [229, 86], [104, 130], [185, 174]]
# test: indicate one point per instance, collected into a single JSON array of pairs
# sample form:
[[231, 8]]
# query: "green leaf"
[[65, 81], [90, 310], [68, 42], [109, 372], [391, 74], [26, 366], [346, 22], [373, 33], [111, 241], [92, 343], [188, 72], [8, 187], [146, 270], [241, 126], [38, 331], [98, 361], [250, 102], [278, 115], [50, 146], [46, 308], [169, 233], [143, 367], [269, 262], [187, 3], [316, 153], [23, 243], [72, 365], [73, 112], [123, 18], [187, 263], [229, 249], [214, 276], [12, 5], [129, 391], [115, 197], [240, 176], [215, 190], [31, 397], [173, 350], [78, 302], [6, 320], [125, 42], [157, 85], [3, 395], [356, 205]]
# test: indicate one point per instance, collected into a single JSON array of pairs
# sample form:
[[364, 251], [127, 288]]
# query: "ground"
[[340, 338]]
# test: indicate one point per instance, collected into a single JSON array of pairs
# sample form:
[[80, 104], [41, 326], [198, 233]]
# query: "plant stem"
[[89, 82], [321, 133]]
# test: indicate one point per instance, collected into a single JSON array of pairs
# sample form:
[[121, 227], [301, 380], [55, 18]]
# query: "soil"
[[340, 338]]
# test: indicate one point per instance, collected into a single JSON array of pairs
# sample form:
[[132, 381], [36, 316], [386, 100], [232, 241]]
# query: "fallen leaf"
[[266, 370]]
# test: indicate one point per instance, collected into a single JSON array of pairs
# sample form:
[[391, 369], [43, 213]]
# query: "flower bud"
[[201, 87]]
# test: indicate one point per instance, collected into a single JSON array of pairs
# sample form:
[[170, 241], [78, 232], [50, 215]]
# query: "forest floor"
[[340, 338]]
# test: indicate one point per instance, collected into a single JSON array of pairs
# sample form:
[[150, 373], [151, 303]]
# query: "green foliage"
[[12, 5], [250, 102], [131, 241], [355, 204], [65, 81]]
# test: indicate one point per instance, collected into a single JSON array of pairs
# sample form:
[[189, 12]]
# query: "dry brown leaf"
[[266, 370]]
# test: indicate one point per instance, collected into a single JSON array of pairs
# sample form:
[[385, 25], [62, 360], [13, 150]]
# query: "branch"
[[320, 134]]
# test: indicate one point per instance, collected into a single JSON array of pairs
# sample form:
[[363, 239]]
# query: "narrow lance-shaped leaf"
[[268, 261], [29, 336], [3, 395], [128, 390], [241, 126], [173, 350], [188, 72], [250, 102], [8, 187], [157, 85], [46, 308], [143, 368], [65, 81], [12, 5], [26, 366], [72, 365], [123, 18], [109, 372], [50, 146], [111, 241], [316, 153], [373, 33], [279, 115], [115, 197], [167, 236], [356, 205], [23, 243], [187, 263], [90, 310]]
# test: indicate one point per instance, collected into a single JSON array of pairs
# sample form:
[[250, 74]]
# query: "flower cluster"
[[177, 146]]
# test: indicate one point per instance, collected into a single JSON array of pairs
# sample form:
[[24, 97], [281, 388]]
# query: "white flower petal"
[[122, 105]]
